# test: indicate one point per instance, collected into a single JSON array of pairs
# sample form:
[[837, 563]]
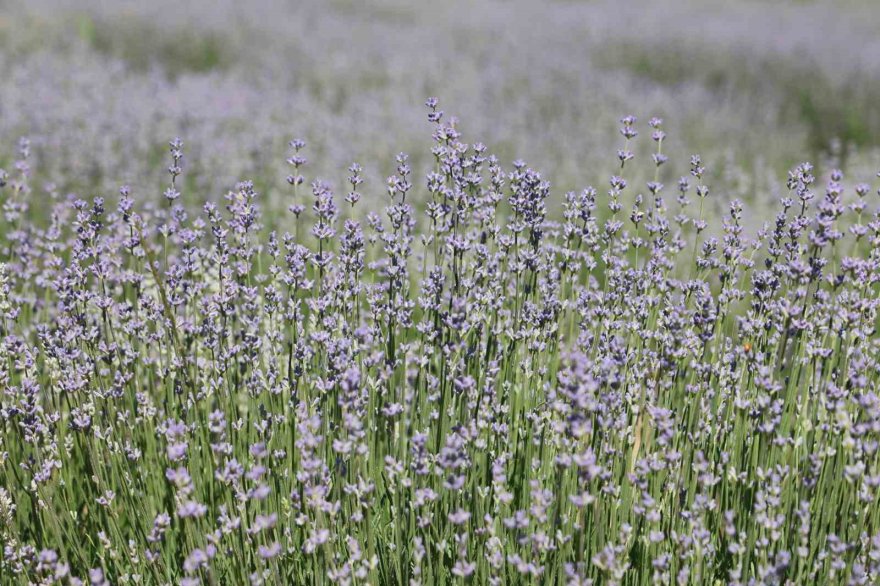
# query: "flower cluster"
[[486, 383]]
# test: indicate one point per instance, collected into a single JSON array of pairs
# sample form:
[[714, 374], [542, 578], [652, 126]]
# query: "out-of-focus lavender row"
[[755, 87]]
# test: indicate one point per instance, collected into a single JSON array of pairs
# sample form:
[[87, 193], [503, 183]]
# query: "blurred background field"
[[100, 86]]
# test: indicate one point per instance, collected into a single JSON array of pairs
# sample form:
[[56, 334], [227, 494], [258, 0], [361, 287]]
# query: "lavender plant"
[[473, 389]]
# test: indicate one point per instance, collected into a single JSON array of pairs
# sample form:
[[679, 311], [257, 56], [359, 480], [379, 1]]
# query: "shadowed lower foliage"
[[482, 392]]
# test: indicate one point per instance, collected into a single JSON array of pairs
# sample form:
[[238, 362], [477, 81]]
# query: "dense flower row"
[[472, 392], [99, 86]]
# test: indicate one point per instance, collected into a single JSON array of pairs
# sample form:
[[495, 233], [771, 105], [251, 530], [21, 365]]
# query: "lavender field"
[[270, 314]]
